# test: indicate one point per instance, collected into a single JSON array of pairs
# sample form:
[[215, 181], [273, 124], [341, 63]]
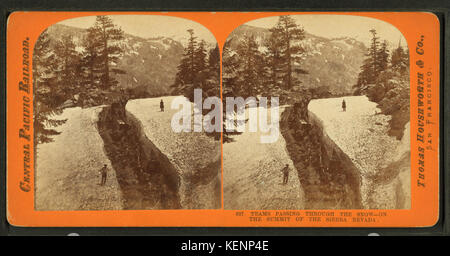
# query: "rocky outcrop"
[[359, 136], [191, 160]]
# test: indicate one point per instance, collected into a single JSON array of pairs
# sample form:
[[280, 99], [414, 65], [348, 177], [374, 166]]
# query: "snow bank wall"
[[152, 152], [332, 149], [379, 163], [191, 160]]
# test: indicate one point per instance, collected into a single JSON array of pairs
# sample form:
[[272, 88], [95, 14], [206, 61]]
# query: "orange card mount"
[[223, 119]]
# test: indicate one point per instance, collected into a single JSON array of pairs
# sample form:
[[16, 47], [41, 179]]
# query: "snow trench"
[[328, 177], [150, 177], [376, 165], [145, 176], [195, 189], [332, 153], [149, 152]]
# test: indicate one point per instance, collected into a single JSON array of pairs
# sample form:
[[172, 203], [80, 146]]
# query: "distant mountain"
[[332, 62], [149, 63]]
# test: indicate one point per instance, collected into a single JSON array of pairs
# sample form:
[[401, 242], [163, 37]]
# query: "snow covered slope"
[[361, 133], [252, 174], [67, 169]]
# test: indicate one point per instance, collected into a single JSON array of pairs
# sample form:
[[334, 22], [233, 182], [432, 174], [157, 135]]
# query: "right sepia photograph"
[[316, 114]]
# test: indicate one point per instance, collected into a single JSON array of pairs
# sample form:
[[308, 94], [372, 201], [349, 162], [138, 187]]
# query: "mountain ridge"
[[150, 63], [331, 62]]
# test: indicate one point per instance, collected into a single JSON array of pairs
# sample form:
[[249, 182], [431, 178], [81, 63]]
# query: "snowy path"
[[253, 177], [67, 169]]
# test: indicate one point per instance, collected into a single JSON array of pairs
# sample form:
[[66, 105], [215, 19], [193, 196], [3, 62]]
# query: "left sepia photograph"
[[107, 94]]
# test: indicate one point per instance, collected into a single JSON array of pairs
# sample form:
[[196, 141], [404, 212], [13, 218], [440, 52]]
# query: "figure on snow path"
[[103, 172], [161, 105], [285, 171]]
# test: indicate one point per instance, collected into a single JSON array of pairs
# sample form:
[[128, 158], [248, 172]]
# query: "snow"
[[163, 41], [336, 48], [362, 134], [137, 45], [345, 43], [351, 130], [315, 52], [67, 169], [189, 153], [79, 49], [197, 147], [231, 53], [263, 49], [253, 177], [131, 51]]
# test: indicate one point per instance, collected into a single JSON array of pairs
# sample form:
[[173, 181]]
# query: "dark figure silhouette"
[[344, 106], [103, 172], [161, 105], [285, 174]]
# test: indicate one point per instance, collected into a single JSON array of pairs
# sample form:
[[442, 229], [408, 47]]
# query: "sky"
[[332, 26], [147, 26]]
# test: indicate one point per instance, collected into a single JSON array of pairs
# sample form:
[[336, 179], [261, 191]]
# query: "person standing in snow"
[[285, 171], [103, 172], [161, 105], [344, 106]]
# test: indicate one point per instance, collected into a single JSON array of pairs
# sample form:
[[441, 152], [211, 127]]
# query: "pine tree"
[[198, 68], [273, 58], [373, 55], [214, 61], [184, 79], [212, 86], [288, 34], [382, 57], [47, 96], [373, 64], [400, 60], [68, 70], [109, 37], [248, 79], [201, 74], [90, 59], [230, 65], [200, 57]]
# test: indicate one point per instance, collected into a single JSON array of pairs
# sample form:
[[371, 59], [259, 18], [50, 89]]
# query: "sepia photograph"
[[332, 94], [224, 119], [106, 90]]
